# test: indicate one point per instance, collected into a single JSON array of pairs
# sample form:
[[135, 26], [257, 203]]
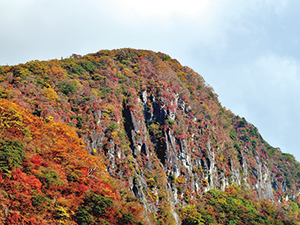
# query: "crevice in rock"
[[128, 124]]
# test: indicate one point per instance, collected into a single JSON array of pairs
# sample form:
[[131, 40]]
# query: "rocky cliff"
[[158, 125]]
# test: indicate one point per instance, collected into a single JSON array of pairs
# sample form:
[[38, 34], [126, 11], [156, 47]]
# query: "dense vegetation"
[[47, 176], [111, 137], [237, 206]]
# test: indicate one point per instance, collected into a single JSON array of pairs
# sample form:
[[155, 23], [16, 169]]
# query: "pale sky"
[[248, 51]]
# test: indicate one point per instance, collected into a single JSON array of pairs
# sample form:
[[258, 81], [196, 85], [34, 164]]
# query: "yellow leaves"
[[12, 121], [151, 183], [180, 180], [204, 107], [21, 71], [223, 201], [62, 212], [50, 94], [190, 211], [204, 182], [109, 109], [49, 119], [55, 140], [97, 76], [114, 134], [182, 76], [97, 92], [230, 190], [2, 77], [128, 72]]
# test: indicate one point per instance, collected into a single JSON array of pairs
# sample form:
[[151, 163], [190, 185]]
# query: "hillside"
[[132, 137]]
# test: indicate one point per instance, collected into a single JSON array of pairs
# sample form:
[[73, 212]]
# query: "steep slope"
[[160, 129], [47, 177]]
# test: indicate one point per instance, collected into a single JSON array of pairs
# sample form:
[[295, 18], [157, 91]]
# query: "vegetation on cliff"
[[131, 136], [47, 176]]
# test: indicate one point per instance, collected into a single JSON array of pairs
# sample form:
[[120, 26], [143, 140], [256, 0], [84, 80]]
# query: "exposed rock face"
[[185, 140], [160, 128], [184, 171]]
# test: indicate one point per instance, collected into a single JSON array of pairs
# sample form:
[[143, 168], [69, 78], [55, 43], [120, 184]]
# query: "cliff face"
[[157, 124]]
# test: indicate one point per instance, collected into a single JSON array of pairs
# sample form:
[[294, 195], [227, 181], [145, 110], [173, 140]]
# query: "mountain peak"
[[156, 127]]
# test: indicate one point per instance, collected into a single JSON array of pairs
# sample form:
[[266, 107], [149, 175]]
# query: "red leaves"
[[15, 218], [28, 182], [37, 160], [82, 188], [86, 107], [84, 171]]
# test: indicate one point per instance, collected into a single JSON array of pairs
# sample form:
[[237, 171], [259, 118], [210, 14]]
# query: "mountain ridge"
[[159, 129]]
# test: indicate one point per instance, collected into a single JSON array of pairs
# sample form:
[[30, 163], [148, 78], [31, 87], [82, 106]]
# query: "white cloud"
[[206, 25], [247, 50]]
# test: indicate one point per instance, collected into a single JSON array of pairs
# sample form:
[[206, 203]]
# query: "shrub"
[[113, 126], [232, 134], [50, 94], [254, 143], [236, 146], [78, 69], [97, 76], [67, 88], [242, 122], [190, 216], [21, 71], [11, 155], [49, 177], [83, 217], [39, 200], [245, 138], [79, 123], [88, 66], [94, 205]]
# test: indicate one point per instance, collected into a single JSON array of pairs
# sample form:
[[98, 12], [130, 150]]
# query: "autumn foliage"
[[48, 177], [92, 139]]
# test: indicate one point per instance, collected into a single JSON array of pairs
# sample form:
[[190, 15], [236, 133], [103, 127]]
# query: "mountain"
[[133, 137]]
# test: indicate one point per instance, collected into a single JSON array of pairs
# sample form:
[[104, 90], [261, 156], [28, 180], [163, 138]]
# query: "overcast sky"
[[248, 51]]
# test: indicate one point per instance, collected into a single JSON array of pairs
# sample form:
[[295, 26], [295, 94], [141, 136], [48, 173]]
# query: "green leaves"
[[191, 216], [67, 88], [49, 176], [11, 155], [88, 66], [94, 205]]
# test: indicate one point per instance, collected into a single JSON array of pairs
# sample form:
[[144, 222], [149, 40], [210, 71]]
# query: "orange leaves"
[[231, 191], [63, 141], [57, 72], [13, 122], [58, 166], [37, 160], [29, 182], [108, 191], [63, 144], [17, 218]]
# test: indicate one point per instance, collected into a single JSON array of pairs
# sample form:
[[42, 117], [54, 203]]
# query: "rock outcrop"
[[158, 125]]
